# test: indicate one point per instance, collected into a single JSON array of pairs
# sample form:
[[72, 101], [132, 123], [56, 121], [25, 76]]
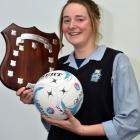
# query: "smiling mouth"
[[74, 33]]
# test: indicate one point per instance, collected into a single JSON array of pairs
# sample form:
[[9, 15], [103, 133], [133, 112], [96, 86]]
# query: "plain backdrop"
[[119, 28]]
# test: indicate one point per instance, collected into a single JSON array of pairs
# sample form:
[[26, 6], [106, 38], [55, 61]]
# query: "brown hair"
[[93, 11]]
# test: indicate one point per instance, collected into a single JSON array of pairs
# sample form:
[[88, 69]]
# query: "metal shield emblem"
[[30, 53]]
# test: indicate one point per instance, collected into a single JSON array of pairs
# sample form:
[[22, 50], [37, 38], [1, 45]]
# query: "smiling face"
[[76, 25]]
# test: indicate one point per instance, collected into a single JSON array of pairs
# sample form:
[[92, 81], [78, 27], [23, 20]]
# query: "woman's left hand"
[[71, 124]]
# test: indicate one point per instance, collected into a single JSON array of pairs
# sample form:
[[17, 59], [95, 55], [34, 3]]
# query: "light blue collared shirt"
[[126, 98]]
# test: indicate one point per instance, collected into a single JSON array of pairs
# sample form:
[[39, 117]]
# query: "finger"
[[52, 121], [27, 101], [27, 96], [46, 118], [69, 114], [27, 91], [20, 91]]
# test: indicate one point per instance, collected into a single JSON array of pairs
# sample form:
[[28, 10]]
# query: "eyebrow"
[[76, 16]]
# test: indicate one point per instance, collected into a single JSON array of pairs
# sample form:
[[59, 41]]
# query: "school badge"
[[96, 75]]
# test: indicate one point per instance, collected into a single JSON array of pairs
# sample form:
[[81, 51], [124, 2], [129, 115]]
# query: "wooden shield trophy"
[[30, 53]]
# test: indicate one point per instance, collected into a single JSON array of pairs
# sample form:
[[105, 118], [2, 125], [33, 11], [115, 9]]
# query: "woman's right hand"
[[26, 95]]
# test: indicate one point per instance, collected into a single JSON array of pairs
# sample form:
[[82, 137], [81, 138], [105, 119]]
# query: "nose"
[[72, 25]]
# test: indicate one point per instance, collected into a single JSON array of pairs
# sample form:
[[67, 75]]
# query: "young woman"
[[111, 106]]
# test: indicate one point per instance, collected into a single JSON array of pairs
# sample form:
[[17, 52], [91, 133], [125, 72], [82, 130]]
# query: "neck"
[[84, 52]]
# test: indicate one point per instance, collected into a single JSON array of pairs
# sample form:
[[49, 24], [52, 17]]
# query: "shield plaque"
[[30, 53]]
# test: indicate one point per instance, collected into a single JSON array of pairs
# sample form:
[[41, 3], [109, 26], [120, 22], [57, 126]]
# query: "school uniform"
[[111, 95]]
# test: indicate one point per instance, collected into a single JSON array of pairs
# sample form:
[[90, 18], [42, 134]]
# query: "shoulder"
[[119, 56], [110, 54], [107, 52], [113, 51], [122, 65], [63, 59], [122, 60]]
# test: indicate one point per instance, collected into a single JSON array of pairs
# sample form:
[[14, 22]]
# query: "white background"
[[119, 28]]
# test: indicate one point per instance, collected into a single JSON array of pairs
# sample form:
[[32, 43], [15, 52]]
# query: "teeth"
[[73, 33]]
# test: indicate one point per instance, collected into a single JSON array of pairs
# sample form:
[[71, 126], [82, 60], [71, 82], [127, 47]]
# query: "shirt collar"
[[96, 55]]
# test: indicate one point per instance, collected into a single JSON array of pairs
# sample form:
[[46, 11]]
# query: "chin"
[[74, 42]]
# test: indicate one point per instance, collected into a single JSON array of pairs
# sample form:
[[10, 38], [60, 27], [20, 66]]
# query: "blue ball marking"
[[76, 106], [36, 91], [36, 101], [63, 105], [50, 110], [67, 75], [77, 87]]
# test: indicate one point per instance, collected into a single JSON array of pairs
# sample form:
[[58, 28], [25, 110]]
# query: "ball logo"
[[52, 74]]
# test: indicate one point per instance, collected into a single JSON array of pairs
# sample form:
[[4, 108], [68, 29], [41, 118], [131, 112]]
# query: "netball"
[[56, 91]]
